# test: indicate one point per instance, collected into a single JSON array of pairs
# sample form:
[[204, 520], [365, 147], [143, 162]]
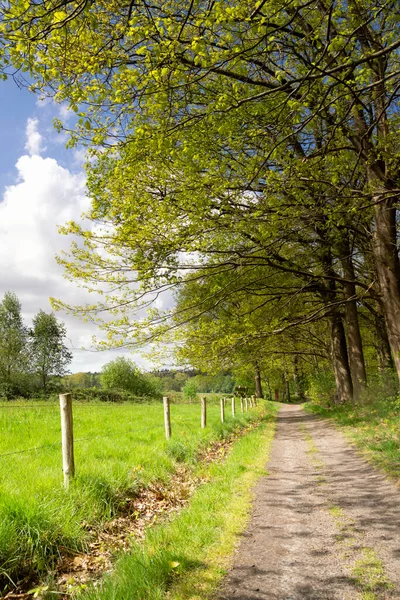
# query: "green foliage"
[[49, 355], [31, 361], [13, 347], [82, 380], [190, 390], [231, 143], [122, 374], [321, 387], [222, 384]]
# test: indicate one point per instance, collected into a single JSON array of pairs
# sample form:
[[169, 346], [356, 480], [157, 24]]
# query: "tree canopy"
[[122, 374], [227, 139], [13, 344], [49, 354]]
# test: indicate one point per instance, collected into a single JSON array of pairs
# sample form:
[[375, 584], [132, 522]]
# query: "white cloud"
[[80, 156], [64, 112], [43, 101], [44, 196], [34, 139]]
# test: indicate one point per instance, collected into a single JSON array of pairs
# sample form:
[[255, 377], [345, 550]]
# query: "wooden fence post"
[[222, 401], [203, 413], [276, 395], [167, 417], [233, 406], [254, 400], [241, 405], [246, 404], [67, 438]]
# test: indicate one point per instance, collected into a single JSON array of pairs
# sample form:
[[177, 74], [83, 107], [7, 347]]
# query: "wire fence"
[[67, 438], [81, 439], [99, 404]]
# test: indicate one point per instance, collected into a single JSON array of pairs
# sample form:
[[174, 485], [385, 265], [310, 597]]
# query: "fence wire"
[[178, 421], [83, 439]]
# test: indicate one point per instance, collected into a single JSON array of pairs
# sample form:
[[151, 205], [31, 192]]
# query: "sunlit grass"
[[118, 448]]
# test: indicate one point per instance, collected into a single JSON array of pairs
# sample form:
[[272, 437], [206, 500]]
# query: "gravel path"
[[325, 524]]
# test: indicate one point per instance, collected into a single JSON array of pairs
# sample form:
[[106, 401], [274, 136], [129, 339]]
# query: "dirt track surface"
[[325, 524]]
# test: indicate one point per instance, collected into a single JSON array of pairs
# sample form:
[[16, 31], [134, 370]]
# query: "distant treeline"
[[154, 383]]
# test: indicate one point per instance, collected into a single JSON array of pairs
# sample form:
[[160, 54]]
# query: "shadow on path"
[[294, 548]]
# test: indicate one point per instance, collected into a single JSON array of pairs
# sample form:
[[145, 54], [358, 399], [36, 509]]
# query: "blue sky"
[[42, 185], [17, 105]]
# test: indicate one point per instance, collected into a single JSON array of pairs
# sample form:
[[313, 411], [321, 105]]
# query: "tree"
[[49, 354], [13, 339], [210, 123], [245, 332], [190, 390], [122, 374]]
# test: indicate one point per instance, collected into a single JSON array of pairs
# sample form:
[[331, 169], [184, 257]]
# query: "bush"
[[22, 385], [321, 388], [122, 374]]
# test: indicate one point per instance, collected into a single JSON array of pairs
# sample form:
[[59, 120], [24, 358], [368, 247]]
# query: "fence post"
[[246, 403], [254, 400], [222, 402], [241, 405], [167, 417], [67, 438], [276, 395], [203, 413], [233, 406]]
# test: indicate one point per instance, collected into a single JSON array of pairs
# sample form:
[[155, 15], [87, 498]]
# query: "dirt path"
[[325, 524]]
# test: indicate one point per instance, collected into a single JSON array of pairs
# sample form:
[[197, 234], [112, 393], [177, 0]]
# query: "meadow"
[[118, 449]]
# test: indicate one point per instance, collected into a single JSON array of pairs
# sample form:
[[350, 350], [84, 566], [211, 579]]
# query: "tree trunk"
[[298, 380], [269, 388], [257, 377], [382, 346], [379, 177], [385, 359], [339, 356], [286, 387], [355, 347], [388, 271], [344, 385]]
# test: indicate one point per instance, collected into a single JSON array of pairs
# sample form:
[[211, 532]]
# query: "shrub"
[[321, 388]]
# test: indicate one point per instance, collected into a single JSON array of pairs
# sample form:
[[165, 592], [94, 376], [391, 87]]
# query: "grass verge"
[[187, 557], [374, 427]]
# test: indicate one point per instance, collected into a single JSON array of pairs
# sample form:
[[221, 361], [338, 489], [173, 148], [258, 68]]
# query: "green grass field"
[[118, 448]]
